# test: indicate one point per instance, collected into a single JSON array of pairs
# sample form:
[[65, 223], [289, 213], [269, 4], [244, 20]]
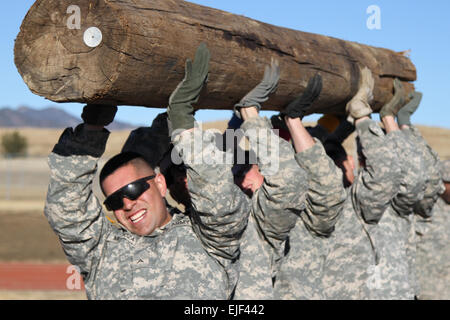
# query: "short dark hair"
[[117, 162]]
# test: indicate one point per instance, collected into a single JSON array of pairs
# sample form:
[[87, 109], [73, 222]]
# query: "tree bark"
[[145, 43]]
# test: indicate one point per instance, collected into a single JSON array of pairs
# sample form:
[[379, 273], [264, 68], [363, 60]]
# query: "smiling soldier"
[[156, 253]]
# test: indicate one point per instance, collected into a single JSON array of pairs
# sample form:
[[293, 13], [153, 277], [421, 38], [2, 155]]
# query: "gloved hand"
[[151, 142], [180, 111], [98, 114], [358, 106], [278, 122], [405, 113], [344, 129], [261, 92], [397, 102], [300, 106]]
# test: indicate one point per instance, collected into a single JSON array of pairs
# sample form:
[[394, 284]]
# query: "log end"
[[67, 47]]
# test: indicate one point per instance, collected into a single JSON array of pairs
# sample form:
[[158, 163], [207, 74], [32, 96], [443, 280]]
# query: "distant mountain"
[[46, 118]]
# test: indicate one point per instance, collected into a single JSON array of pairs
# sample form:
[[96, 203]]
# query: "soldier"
[[380, 198], [432, 263], [157, 253], [412, 183], [276, 187], [300, 201], [433, 246], [220, 211]]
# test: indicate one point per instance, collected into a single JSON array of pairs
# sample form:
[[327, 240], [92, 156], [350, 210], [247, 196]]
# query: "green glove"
[[180, 111], [98, 114], [392, 107], [405, 113], [300, 106], [261, 92]]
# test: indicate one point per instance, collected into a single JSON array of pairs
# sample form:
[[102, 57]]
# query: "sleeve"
[[73, 211], [412, 183], [326, 193], [378, 180], [279, 201], [434, 185], [220, 209]]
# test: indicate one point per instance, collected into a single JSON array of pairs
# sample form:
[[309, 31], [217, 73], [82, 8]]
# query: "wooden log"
[[141, 56]]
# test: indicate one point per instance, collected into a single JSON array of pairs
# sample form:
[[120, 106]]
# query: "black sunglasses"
[[131, 191]]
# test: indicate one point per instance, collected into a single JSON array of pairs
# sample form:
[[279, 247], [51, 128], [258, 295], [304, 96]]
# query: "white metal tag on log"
[[133, 52], [92, 37]]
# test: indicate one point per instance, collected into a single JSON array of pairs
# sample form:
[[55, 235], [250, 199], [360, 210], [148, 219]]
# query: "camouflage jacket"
[[433, 253], [373, 194], [420, 239], [283, 192], [171, 263], [255, 280], [433, 183], [295, 185], [302, 269], [220, 210], [349, 267]]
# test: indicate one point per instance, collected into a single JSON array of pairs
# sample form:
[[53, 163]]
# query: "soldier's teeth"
[[138, 217]]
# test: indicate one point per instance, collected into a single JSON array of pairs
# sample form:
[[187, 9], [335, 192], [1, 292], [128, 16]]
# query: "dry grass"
[[41, 141]]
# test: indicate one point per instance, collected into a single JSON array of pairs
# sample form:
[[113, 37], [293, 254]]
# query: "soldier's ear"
[[160, 182]]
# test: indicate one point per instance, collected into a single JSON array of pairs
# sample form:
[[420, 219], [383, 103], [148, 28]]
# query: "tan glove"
[[359, 106]]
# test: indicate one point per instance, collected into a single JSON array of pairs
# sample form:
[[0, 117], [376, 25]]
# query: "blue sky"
[[421, 26]]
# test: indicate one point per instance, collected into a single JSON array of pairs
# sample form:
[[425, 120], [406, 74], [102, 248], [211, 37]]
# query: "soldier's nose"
[[128, 204]]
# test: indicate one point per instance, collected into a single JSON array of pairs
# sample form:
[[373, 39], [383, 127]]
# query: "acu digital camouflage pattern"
[[274, 206], [433, 184], [372, 193], [283, 191], [255, 281], [412, 190], [171, 263], [433, 253], [302, 269], [349, 267], [220, 210], [432, 225]]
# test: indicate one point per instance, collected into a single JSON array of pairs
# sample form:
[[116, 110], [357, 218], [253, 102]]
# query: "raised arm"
[[410, 160], [280, 198], [433, 183], [220, 210], [326, 193], [72, 209], [378, 180]]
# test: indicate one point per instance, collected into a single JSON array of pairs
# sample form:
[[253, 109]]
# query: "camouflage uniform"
[[431, 228], [349, 265], [412, 189], [363, 257], [171, 263], [433, 253], [255, 281], [275, 207], [373, 196], [219, 209], [301, 269]]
